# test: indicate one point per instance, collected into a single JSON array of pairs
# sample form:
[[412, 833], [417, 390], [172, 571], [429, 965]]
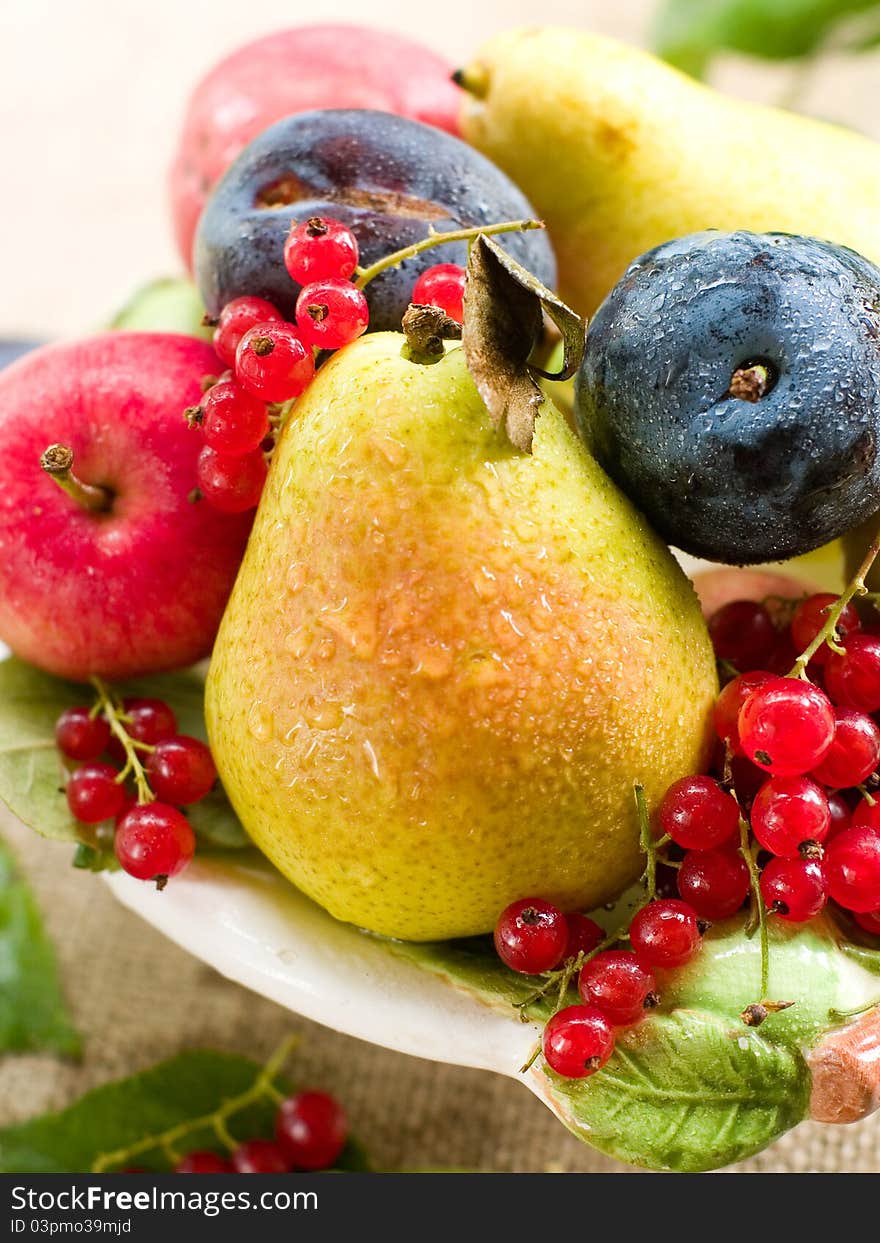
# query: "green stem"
[[133, 767], [365, 275], [855, 1012], [828, 633], [57, 462], [262, 1087], [647, 843], [758, 900]]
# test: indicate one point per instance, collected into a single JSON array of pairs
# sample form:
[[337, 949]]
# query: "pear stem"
[[57, 462], [434, 238]]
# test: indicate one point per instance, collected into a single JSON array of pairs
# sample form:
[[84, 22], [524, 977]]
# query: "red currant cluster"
[[151, 837], [311, 1130], [271, 361]]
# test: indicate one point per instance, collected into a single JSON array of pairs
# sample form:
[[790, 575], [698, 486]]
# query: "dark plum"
[[731, 387], [389, 179]]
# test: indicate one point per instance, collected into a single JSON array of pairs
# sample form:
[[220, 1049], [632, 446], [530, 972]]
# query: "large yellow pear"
[[618, 152], [445, 662]]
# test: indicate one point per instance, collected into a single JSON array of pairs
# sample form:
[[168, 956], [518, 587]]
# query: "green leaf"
[[686, 1092], [32, 774], [120, 1114], [33, 1014], [169, 304], [689, 33]]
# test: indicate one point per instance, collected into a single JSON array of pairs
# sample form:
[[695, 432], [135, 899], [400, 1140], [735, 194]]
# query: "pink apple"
[[140, 585], [719, 587], [332, 66]]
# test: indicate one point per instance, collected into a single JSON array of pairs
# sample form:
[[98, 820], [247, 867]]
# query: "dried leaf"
[[504, 308]]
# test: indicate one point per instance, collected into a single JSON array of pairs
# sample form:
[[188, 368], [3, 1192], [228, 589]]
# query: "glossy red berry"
[[233, 421], [853, 679], [618, 986], [273, 362], [781, 659], [231, 484], [203, 1163], [442, 286], [584, 934], [793, 889], [869, 921], [714, 882], [786, 727], [731, 700], [311, 1130], [742, 632], [149, 720], [578, 1041], [531, 936], [854, 753], [94, 793], [237, 318], [259, 1156], [810, 617], [867, 814], [788, 811], [697, 814], [81, 736], [154, 841], [852, 868], [320, 249], [331, 313], [665, 933], [181, 770]]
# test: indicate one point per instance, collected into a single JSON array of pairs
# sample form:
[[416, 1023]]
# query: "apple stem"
[[57, 462], [435, 238]]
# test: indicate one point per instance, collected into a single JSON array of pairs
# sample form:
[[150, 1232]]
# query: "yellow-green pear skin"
[[618, 152], [445, 662]]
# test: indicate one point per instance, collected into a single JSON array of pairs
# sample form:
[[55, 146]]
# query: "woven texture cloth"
[[137, 998]]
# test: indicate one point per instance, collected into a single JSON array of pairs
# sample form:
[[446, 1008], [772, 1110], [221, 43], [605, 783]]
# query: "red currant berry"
[[94, 794], [320, 249], [784, 654], [714, 882], [697, 814], [743, 633], [181, 770], [618, 986], [234, 422], [81, 736], [330, 314], [202, 1163], [841, 815], [794, 889], [854, 753], [812, 614], [237, 318], [786, 727], [578, 1041], [584, 935], [273, 362], [442, 286], [788, 811], [154, 841], [867, 814], [148, 720], [231, 484], [311, 1129], [531, 936], [869, 921], [731, 700], [852, 868], [259, 1156], [665, 933], [853, 680]]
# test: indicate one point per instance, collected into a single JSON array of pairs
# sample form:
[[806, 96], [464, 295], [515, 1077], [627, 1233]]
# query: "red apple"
[[139, 582], [332, 66]]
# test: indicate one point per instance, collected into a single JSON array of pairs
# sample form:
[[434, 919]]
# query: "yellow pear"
[[618, 152], [445, 662]]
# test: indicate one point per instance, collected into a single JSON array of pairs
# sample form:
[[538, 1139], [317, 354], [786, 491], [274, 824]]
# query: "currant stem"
[[648, 845], [856, 587], [262, 1087], [758, 902], [133, 767], [57, 462], [855, 1012], [394, 260]]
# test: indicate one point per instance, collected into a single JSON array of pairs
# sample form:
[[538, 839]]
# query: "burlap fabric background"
[[137, 998]]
